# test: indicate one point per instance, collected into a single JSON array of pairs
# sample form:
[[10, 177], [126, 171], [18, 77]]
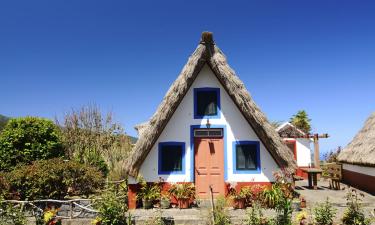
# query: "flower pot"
[[239, 203], [147, 204], [165, 203], [303, 203], [183, 203]]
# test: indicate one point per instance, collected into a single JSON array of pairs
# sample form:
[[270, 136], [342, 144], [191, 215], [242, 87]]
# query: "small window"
[[171, 157], [206, 102], [208, 132], [246, 155]]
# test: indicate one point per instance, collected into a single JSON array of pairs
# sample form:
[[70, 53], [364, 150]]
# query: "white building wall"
[[303, 151], [237, 129], [359, 169]]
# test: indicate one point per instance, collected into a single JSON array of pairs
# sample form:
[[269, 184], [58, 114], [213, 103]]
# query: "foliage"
[[27, 139], [324, 213], [255, 216], [220, 215], [112, 206], [331, 156], [53, 178], [49, 217], [275, 124], [354, 214], [148, 191], [284, 212], [95, 139], [301, 121], [302, 217], [272, 196], [10, 215], [183, 190], [158, 220]]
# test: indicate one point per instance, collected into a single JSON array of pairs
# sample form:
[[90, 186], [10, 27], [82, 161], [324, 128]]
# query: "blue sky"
[[123, 56]]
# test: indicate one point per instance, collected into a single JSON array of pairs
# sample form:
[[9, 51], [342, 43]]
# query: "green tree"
[[301, 121], [27, 139], [3, 121]]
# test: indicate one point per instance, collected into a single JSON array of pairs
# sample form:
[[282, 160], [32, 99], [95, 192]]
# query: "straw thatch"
[[289, 130], [361, 150], [208, 53]]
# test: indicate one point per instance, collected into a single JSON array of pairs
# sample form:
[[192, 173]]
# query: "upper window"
[[171, 157], [246, 157], [206, 103]]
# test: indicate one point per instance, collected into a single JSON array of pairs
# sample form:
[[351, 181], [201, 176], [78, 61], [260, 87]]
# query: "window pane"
[[171, 158], [246, 157], [206, 103]]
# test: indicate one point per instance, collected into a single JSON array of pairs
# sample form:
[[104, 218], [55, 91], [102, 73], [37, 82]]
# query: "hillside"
[[3, 121]]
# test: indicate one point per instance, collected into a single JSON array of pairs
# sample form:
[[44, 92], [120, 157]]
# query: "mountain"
[[3, 121]]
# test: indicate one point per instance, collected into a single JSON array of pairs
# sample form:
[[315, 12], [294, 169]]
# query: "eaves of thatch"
[[209, 53], [361, 150]]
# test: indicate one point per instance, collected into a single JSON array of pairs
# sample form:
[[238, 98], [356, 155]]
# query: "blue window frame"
[[206, 103], [246, 157], [171, 158]]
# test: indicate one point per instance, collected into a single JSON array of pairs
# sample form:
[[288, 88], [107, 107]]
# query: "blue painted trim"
[[192, 163], [217, 90], [171, 143], [235, 171]]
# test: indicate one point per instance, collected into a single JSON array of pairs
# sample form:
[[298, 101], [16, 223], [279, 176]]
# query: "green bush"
[[24, 140], [54, 178], [324, 213], [354, 214], [9, 214], [112, 208]]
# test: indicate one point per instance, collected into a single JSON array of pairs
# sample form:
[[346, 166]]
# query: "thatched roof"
[[361, 150], [287, 129], [209, 53]]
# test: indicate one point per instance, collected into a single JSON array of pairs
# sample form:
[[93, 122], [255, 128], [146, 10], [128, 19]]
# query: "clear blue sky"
[[123, 56]]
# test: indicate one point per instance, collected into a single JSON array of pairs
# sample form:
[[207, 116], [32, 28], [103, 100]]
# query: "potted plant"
[[165, 201], [148, 193], [183, 192], [240, 197]]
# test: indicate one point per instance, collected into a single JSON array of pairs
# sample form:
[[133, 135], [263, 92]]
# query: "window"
[[171, 157], [246, 157], [204, 132], [206, 103]]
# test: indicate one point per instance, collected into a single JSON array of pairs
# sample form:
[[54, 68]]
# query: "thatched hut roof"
[[287, 129], [361, 150], [208, 53]]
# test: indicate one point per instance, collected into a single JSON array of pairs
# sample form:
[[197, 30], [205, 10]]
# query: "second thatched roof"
[[208, 53], [361, 150]]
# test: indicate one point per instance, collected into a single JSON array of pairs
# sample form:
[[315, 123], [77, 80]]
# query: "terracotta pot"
[[303, 203], [239, 203], [183, 203]]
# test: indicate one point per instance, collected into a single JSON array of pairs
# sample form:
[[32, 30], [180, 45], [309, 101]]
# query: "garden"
[[56, 170]]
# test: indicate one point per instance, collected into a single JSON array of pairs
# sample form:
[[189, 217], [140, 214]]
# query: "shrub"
[[272, 196], [10, 214], [54, 178], [24, 140], [324, 213], [112, 208], [354, 214], [254, 216], [220, 215]]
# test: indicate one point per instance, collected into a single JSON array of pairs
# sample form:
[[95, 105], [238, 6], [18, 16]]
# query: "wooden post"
[[316, 151]]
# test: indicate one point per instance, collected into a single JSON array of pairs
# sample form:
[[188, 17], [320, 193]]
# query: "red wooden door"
[[209, 166]]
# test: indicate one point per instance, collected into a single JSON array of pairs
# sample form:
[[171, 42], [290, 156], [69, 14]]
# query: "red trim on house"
[[359, 180]]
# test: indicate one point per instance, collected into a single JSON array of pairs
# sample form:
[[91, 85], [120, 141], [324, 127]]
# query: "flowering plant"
[[50, 217]]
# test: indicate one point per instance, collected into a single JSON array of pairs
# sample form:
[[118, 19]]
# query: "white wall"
[[303, 151], [237, 128], [359, 169]]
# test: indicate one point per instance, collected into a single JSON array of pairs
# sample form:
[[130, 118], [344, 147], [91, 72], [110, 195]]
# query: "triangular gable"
[[289, 130], [208, 53]]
